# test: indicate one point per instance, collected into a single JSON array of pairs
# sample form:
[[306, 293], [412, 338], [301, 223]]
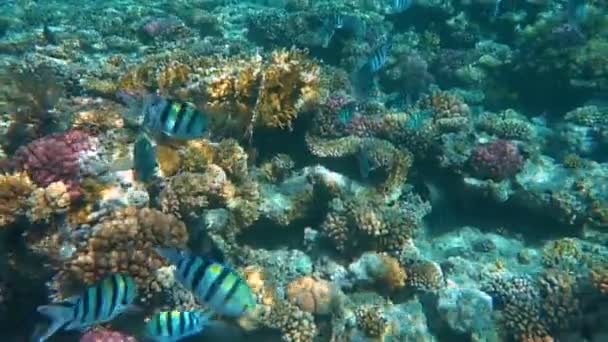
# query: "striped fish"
[[214, 284], [99, 303], [175, 119], [363, 78], [399, 6], [171, 326]]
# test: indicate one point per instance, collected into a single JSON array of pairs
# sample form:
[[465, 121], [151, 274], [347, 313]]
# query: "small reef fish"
[[214, 284], [178, 120], [172, 326], [99, 303], [160, 115], [363, 78], [145, 164], [349, 24], [399, 6]]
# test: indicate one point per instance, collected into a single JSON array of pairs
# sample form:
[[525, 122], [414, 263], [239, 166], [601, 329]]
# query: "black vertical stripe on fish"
[[179, 117], [125, 296], [199, 274], [216, 284], [233, 290], [164, 115], [113, 295], [169, 321], [182, 322], [191, 120], [187, 268], [98, 301], [85, 306]]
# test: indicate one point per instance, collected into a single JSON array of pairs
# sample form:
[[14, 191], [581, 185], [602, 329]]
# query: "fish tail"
[[170, 253], [59, 316]]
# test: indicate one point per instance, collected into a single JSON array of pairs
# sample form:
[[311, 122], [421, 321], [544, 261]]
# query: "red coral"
[[104, 335], [497, 160], [56, 157]]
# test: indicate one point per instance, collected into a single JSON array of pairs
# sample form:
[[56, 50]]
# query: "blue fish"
[[172, 326], [99, 303], [214, 284], [145, 164]]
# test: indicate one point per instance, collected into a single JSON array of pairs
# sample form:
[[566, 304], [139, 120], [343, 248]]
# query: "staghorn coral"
[[316, 296], [14, 192], [123, 242], [46, 202]]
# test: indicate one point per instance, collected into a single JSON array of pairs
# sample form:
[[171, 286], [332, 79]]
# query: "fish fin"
[[59, 316], [170, 253]]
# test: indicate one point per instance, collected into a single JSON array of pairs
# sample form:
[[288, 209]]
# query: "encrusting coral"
[[124, 242]]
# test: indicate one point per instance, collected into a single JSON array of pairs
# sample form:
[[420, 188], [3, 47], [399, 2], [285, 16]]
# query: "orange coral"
[[169, 160], [316, 296], [45, 202], [599, 279], [14, 192], [124, 242]]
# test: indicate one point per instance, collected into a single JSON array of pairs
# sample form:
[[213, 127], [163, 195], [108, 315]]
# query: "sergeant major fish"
[[99, 303], [214, 284], [172, 326], [363, 77], [160, 115], [398, 6]]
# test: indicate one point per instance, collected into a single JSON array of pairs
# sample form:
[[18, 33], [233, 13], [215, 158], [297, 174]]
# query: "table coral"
[[124, 242], [14, 196]]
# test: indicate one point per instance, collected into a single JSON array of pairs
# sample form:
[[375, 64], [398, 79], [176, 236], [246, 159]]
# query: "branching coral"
[[371, 321], [497, 160], [14, 192], [45, 202], [32, 91], [188, 194], [124, 242], [599, 279], [274, 91], [295, 325], [507, 125], [378, 154], [367, 223]]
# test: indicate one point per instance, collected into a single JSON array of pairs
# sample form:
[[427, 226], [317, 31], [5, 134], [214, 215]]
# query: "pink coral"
[[103, 335], [497, 160], [56, 158]]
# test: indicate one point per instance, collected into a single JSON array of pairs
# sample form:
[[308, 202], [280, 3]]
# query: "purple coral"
[[103, 335], [56, 157], [497, 160]]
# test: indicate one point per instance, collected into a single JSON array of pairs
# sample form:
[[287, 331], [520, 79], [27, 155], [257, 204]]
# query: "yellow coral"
[[169, 160], [45, 202], [14, 192]]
